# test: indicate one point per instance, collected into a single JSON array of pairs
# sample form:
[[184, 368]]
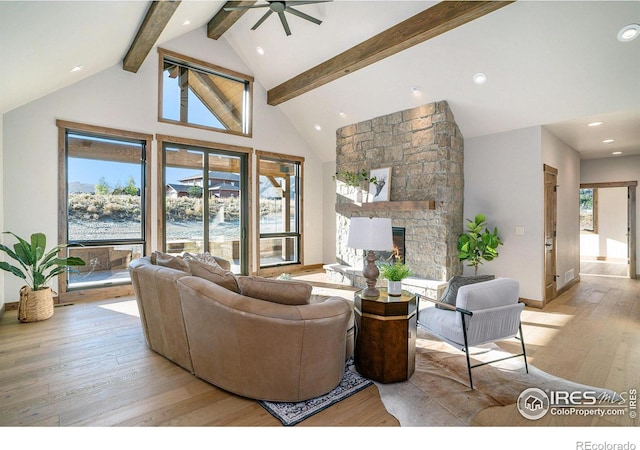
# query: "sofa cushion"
[[173, 262], [208, 258], [451, 292], [285, 292], [214, 273]]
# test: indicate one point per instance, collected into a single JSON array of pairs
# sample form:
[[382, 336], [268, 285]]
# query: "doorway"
[[607, 229]]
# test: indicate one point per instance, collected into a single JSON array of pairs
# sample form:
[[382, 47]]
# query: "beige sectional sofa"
[[280, 347]]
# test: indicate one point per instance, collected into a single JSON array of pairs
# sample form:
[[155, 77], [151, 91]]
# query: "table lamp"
[[371, 234]]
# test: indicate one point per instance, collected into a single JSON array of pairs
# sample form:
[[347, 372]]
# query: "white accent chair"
[[484, 312]]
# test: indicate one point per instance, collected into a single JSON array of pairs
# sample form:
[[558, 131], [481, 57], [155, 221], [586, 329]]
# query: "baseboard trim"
[[568, 286], [541, 303], [11, 306], [532, 303]]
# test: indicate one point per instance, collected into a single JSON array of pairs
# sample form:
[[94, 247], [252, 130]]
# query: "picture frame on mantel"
[[379, 191]]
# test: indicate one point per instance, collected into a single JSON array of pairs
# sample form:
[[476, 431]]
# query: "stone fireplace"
[[424, 149]]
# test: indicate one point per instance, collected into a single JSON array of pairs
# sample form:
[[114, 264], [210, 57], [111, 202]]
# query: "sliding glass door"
[[280, 197], [206, 202]]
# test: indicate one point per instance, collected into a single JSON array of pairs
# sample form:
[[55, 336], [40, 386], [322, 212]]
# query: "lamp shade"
[[370, 233]]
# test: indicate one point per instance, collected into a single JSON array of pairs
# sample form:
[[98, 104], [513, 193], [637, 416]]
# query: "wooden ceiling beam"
[[223, 20], [157, 18], [440, 18]]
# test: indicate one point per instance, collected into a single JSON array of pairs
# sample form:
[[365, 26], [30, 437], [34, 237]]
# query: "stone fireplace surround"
[[425, 150]]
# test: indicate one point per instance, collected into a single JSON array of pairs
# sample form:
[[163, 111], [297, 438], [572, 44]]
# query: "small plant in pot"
[[37, 267], [478, 243], [394, 273]]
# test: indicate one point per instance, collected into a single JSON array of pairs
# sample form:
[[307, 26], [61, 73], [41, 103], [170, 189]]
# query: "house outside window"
[[198, 94]]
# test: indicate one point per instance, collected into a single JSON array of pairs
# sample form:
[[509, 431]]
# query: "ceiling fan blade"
[[262, 19], [285, 24], [296, 3], [240, 8], [295, 12]]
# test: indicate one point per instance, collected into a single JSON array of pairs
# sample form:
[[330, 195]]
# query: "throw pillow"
[[214, 273], [451, 292], [208, 258], [166, 260], [285, 292]]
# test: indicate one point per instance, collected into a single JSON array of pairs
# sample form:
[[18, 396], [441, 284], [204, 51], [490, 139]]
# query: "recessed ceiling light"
[[186, 22], [77, 68], [415, 90], [616, 153], [608, 141], [629, 33], [341, 113], [317, 127], [260, 51], [594, 124], [479, 78]]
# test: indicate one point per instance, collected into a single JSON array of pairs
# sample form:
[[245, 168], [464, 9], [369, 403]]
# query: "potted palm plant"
[[394, 273], [36, 266]]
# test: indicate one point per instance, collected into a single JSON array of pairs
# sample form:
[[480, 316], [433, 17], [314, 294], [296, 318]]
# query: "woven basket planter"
[[35, 305]]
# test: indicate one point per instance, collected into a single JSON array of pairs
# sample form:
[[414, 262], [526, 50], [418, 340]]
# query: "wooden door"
[[550, 219], [631, 229]]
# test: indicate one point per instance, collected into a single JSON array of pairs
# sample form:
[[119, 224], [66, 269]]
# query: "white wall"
[[557, 154], [329, 212], [624, 168], [504, 180], [612, 222], [119, 99]]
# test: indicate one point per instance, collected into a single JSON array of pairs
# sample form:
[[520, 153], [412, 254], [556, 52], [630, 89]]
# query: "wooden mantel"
[[407, 205]]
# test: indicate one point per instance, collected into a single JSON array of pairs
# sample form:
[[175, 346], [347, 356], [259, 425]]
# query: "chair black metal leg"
[[524, 352], [466, 350]]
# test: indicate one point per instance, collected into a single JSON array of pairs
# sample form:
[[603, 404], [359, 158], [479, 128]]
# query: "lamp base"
[[370, 293], [370, 273]]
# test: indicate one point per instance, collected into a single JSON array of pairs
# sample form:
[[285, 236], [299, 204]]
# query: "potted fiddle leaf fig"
[[37, 266], [478, 244], [394, 273]]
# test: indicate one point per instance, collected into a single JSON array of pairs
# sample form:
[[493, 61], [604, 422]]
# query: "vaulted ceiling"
[[551, 63]]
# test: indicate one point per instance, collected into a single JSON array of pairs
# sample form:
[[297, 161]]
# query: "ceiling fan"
[[280, 7]]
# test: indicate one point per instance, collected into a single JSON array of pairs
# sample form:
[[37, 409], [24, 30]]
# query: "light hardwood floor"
[[606, 268], [88, 365]]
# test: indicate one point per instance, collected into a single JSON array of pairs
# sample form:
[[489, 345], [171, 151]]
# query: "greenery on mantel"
[[354, 178]]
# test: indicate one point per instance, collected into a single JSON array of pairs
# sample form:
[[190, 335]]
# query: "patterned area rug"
[[292, 413]]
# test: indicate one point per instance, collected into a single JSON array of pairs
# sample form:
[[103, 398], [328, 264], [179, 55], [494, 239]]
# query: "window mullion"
[[184, 94], [205, 202]]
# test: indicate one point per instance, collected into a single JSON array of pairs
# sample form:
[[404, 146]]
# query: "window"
[[199, 94], [280, 192], [589, 210], [105, 204], [205, 200]]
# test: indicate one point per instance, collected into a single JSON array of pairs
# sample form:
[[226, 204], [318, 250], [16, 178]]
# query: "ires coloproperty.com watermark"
[[534, 403]]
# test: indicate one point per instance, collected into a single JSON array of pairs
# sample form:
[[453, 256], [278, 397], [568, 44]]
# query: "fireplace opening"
[[398, 252]]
